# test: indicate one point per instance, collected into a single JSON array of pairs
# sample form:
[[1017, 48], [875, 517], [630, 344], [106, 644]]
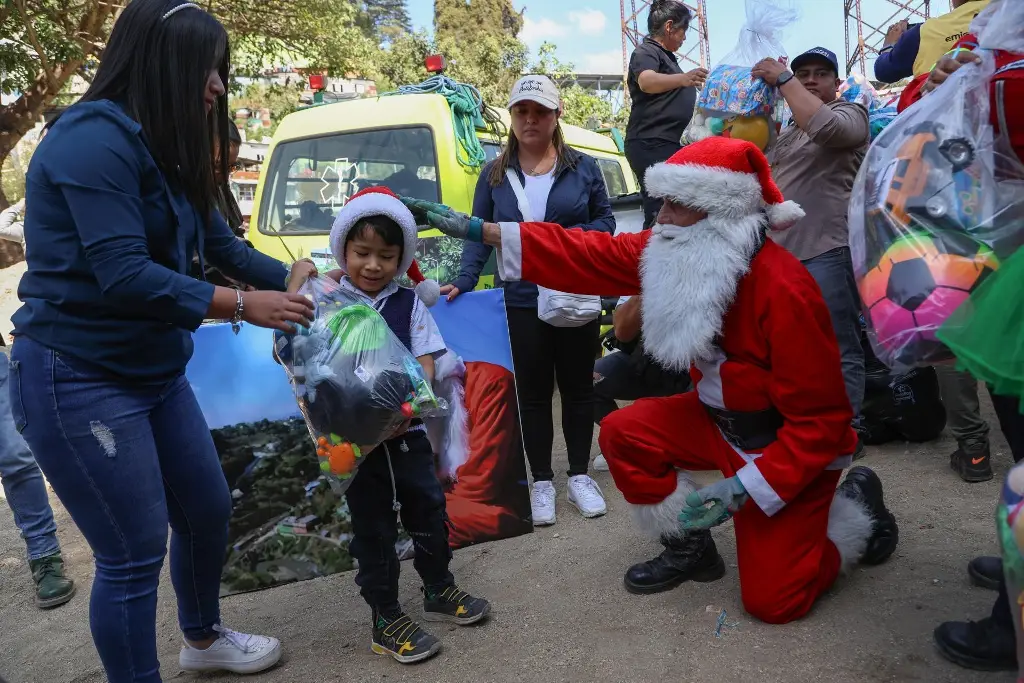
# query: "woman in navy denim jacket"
[[563, 186], [121, 194]]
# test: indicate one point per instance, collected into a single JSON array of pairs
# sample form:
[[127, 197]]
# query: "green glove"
[[726, 496], [444, 218]]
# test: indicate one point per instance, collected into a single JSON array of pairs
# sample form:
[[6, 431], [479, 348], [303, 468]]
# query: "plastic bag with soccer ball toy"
[[733, 103], [355, 382], [936, 211]]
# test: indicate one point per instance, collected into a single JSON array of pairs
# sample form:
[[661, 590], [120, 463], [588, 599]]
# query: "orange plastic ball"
[[342, 458]]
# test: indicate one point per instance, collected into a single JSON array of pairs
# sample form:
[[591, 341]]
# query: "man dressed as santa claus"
[[770, 409]]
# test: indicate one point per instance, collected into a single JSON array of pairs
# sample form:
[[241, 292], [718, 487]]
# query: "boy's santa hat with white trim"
[[725, 178], [380, 201]]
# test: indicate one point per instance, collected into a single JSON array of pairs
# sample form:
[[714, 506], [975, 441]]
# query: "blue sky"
[[587, 31]]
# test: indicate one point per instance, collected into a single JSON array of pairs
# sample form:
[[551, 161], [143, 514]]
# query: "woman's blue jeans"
[[127, 459]]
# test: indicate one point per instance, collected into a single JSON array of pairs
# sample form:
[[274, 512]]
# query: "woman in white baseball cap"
[[564, 186]]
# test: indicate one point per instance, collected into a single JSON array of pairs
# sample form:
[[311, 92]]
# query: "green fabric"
[[986, 333], [358, 328]]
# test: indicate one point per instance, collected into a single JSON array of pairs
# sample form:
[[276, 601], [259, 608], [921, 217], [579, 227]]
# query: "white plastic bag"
[[998, 26], [732, 102]]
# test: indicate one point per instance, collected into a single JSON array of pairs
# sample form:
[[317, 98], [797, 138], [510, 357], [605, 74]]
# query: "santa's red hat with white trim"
[[725, 178], [380, 201]]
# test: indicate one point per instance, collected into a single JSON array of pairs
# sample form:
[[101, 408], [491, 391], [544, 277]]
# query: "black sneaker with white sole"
[[403, 639], [454, 606]]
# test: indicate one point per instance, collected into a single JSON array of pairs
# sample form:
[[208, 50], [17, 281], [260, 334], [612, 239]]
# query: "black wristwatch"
[[785, 78]]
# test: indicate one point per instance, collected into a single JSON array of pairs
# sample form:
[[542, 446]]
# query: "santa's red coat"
[[778, 349]]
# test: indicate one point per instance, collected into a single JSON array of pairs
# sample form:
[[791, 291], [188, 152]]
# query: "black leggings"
[[543, 354], [641, 155]]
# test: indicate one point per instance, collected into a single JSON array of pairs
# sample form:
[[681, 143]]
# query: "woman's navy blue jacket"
[[578, 199], [109, 246]]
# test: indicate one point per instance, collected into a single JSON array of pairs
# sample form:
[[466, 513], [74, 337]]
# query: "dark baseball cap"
[[814, 54]]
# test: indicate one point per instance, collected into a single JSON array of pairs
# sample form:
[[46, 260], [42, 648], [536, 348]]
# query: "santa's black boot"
[[863, 485], [690, 557]]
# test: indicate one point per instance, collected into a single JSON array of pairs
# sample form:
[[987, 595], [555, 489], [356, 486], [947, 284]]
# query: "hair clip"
[[186, 5]]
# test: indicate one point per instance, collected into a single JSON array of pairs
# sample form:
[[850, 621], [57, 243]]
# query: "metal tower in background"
[[634, 24], [867, 21]]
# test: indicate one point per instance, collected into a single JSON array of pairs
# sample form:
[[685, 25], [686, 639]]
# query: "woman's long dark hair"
[[664, 11], [157, 69], [565, 157]]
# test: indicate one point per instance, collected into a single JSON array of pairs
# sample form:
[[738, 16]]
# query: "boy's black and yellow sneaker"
[[403, 639], [454, 606]]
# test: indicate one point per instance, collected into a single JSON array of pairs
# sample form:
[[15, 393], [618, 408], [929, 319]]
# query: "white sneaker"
[[542, 500], [586, 495], [240, 653], [600, 464]]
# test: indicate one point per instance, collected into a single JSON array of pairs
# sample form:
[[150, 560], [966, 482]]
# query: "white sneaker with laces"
[[586, 495], [542, 501], [600, 464], [240, 653]]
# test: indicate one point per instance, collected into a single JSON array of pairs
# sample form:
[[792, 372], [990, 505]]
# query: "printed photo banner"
[[287, 524]]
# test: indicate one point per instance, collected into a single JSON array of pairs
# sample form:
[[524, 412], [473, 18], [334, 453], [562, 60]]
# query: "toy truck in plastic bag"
[[355, 382], [733, 103], [937, 207]]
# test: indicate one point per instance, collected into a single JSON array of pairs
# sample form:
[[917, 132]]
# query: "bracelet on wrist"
[[236, 320]]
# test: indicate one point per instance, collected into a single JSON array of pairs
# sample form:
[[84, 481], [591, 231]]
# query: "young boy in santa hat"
[[374, 241]]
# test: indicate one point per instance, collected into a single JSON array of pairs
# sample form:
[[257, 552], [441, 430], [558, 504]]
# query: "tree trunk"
[[22, 115]]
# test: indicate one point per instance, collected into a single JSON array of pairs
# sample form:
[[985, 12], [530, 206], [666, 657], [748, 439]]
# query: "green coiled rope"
[[467, 114]]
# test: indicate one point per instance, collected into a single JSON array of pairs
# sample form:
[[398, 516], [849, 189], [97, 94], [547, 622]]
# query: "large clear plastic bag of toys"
[[355, 382], [733, 103], [936, 210]]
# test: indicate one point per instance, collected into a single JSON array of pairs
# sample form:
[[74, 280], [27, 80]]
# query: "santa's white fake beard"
[[689, 277]]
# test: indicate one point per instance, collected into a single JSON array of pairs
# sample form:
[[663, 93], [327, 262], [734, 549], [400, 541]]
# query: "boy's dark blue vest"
[[397, 313]]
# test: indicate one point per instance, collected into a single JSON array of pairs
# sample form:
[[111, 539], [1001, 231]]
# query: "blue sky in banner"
[[587, 31]]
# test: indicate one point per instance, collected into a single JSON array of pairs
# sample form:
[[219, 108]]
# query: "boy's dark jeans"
[[375, 522]]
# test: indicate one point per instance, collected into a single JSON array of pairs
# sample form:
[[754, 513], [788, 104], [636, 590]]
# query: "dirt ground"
[[561, 614]]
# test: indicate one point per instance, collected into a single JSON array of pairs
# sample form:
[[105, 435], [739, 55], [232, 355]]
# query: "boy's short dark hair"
[[386, 228]]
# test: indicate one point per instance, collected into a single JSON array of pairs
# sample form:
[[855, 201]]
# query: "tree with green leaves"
[[48, 42], [479, 40], [401, 62], [384, 20], [281, 100], [580, 107], [464, 20]]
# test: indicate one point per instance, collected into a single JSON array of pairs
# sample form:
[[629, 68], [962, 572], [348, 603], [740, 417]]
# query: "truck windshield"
[[309, 180]]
